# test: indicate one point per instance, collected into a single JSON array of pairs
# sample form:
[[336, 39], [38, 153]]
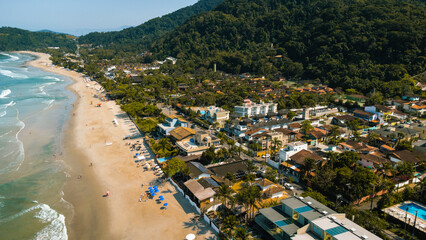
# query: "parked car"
[[266, 156], [288, 186]]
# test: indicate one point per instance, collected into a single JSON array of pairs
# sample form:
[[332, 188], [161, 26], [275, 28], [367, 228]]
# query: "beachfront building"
[[249, 109], [181, 134], [172, 122], [199, 195], [301, 218], [199, 143]]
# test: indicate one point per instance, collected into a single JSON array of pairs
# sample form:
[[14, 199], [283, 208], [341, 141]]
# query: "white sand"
[[120, 215]]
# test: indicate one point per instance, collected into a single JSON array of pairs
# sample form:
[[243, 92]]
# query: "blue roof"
[[199, 166], [303, 209], [336, 230], [212, 182]]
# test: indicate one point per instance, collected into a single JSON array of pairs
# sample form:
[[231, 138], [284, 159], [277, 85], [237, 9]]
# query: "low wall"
[[211, 223]]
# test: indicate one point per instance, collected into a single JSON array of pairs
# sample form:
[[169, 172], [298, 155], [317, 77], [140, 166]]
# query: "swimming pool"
[[413, 207]]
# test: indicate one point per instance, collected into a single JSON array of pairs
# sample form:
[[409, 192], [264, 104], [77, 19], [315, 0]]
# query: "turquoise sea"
[[34, 108]]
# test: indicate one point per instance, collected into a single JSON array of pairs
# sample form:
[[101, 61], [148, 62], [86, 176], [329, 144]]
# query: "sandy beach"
[[100, 161]]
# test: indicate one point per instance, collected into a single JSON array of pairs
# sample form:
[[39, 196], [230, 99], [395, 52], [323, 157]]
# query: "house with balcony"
[[216, 115], [172, 122], [199, 143], [296, 162], [299, 218], [367, 116], [250, 108], [291, 149], [270, 189]]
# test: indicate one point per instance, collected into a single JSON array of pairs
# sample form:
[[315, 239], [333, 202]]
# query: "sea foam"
[[10, 104], [14, 58], [4, 93], [12, 74], [55, 230]]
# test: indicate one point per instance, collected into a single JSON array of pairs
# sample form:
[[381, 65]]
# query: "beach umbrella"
[[161, 197], [190, 236], [150, 188], [156, 190], [153, 194], [166, 204]]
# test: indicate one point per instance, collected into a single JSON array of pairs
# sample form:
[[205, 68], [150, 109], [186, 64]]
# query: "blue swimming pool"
[[413, 207]]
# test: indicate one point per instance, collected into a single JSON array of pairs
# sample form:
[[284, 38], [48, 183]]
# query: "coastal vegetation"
[[363, 45], [13, 39], [136, 40]]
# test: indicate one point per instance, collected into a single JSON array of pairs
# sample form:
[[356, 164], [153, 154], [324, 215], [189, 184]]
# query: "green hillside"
[[356, 44], [139, 38], [12, 39]]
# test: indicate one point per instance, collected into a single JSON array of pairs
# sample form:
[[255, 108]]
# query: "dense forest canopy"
[[357, 44], [139, 38], [12, 39]]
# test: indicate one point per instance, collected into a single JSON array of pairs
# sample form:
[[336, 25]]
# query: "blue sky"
[[82, 16]]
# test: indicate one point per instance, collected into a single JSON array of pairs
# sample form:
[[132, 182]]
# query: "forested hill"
[[349, 43], [135, 39], [12, 39]]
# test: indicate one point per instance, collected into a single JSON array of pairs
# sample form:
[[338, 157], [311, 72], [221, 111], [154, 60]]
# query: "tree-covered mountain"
[[139, 38], [12, 39], [357, 44]]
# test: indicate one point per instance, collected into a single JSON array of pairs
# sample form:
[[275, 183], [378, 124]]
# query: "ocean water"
[[34, 107]]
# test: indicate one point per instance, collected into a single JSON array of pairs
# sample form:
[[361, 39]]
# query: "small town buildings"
[[367, 116], [213, 115], [341, 120], [416, 158], [270, 189], [250, 108], [291, 149], [198, 194], [301, 218], [238, 168], [199, 143], [358, 147], [296, 162], [181, 133], [172, 122]]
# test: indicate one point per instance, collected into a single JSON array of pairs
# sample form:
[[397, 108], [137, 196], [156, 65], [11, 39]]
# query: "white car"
[[288, 186], [266, 156]]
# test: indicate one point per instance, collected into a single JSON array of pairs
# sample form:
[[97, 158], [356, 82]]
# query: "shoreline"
[[120, 215]]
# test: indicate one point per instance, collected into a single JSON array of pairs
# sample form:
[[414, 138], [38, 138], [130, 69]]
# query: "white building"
[[250, 108], [291, 149]]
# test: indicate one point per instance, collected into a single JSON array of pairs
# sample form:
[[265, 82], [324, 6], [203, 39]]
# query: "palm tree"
[[276, 143], [228, 226], [308, 166], [332, 157], [224, 194], [241, 234]]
